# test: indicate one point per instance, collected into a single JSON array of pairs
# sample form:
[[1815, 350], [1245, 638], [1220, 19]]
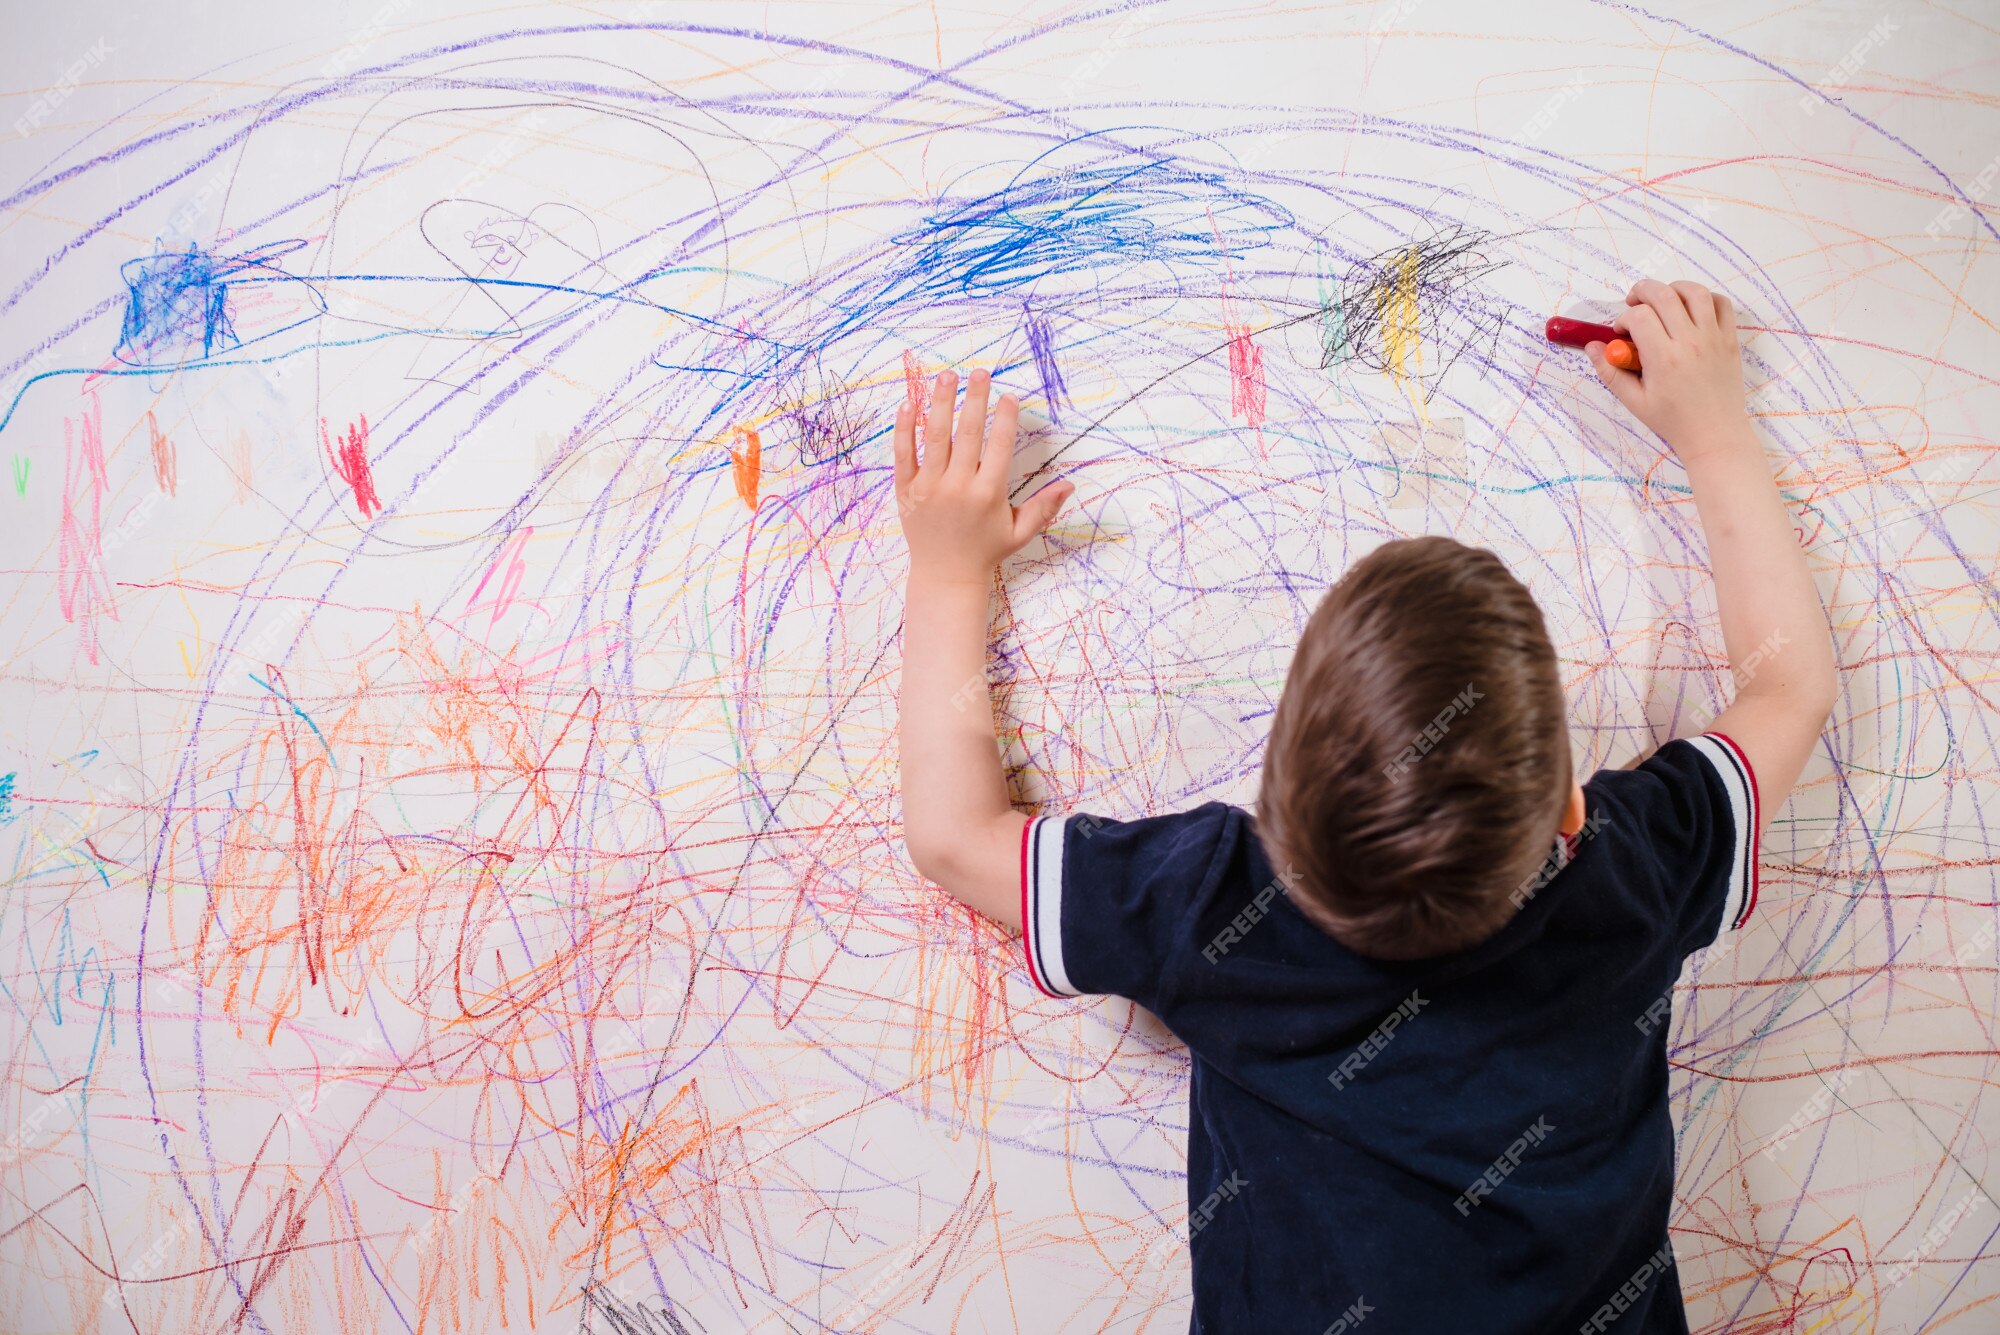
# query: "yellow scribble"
[[1396, 314]]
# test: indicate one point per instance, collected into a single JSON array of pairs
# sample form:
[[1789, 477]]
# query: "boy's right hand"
[[1691, 391], [953, 500]]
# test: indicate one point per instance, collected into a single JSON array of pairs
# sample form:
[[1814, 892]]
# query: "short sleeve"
[[1105, 905], [1693, 816]]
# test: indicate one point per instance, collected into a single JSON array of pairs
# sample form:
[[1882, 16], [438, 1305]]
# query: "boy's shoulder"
[[1682, 825], [1092, 886]]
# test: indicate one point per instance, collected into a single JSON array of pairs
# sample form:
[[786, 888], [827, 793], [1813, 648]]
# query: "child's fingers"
[[1651, 294], [1700, 303], [1725, 315], [1034, 516], [996, 459], [1641, 324], [937, 427], [905, 438], [1625, 385], [971, 423]]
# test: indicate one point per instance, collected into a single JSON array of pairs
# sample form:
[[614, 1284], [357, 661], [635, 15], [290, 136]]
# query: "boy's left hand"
[[953, 501]]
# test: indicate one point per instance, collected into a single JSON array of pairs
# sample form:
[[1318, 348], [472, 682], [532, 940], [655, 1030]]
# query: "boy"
[[1424, 986]]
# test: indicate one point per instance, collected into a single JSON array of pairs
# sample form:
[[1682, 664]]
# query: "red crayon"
[[1618, 349]]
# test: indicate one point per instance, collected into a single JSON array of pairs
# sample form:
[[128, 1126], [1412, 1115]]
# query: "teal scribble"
[[1333, 349], [296, 710]]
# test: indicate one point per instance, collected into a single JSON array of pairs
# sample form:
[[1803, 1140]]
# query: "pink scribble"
[[510, 578], [349, 456], [80, 581], [1246, 359], [1246, 376]]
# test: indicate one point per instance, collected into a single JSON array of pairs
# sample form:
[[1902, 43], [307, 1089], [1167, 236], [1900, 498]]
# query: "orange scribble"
[[748, 465], [166, 464], [913, 387]]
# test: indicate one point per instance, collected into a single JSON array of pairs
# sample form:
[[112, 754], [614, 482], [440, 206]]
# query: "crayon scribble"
[[1431, 293], [348, 454], [465, 551], [176, 307]]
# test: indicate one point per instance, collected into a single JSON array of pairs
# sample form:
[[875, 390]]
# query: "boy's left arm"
[[961, 830]]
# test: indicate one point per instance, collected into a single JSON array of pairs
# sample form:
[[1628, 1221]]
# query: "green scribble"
[[1333, 349]]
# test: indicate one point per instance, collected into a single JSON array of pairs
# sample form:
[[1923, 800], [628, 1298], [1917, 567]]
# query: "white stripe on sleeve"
[[1734, 771], [1043, 918]]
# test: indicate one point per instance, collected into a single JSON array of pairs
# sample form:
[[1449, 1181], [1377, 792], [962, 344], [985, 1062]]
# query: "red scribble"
[[349, 456]]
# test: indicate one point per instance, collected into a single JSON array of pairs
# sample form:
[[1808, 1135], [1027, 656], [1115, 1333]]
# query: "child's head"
[[1418, 770]]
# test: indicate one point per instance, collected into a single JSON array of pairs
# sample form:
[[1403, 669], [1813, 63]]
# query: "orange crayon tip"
[[1618, 350]]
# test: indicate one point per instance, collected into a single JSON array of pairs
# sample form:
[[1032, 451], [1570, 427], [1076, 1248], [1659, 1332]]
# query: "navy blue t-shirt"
[[1475, 1142]]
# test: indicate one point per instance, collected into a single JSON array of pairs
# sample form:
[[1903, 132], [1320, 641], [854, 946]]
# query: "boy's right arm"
[[1773, 624]]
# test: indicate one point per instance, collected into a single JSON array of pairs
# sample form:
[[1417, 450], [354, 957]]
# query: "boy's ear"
[[1572, 817]]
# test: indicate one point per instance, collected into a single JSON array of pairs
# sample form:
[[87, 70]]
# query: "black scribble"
[[607, 1311], [1413, 310], [820, 415]]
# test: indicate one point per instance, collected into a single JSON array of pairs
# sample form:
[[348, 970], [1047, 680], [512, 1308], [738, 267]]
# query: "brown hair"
[[1419, 760]]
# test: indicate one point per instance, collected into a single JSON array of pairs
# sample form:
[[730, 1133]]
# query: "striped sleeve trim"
[[1740, 781], [1041, 904]]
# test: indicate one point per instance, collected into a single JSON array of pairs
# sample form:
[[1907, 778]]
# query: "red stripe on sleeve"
[[1756, 825], [1027, 922]]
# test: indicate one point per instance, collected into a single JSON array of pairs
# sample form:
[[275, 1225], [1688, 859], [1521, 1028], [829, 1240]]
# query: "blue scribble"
[[1041, 345], [7, 812], [1078, 222], [296, 710], [177, 307]]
